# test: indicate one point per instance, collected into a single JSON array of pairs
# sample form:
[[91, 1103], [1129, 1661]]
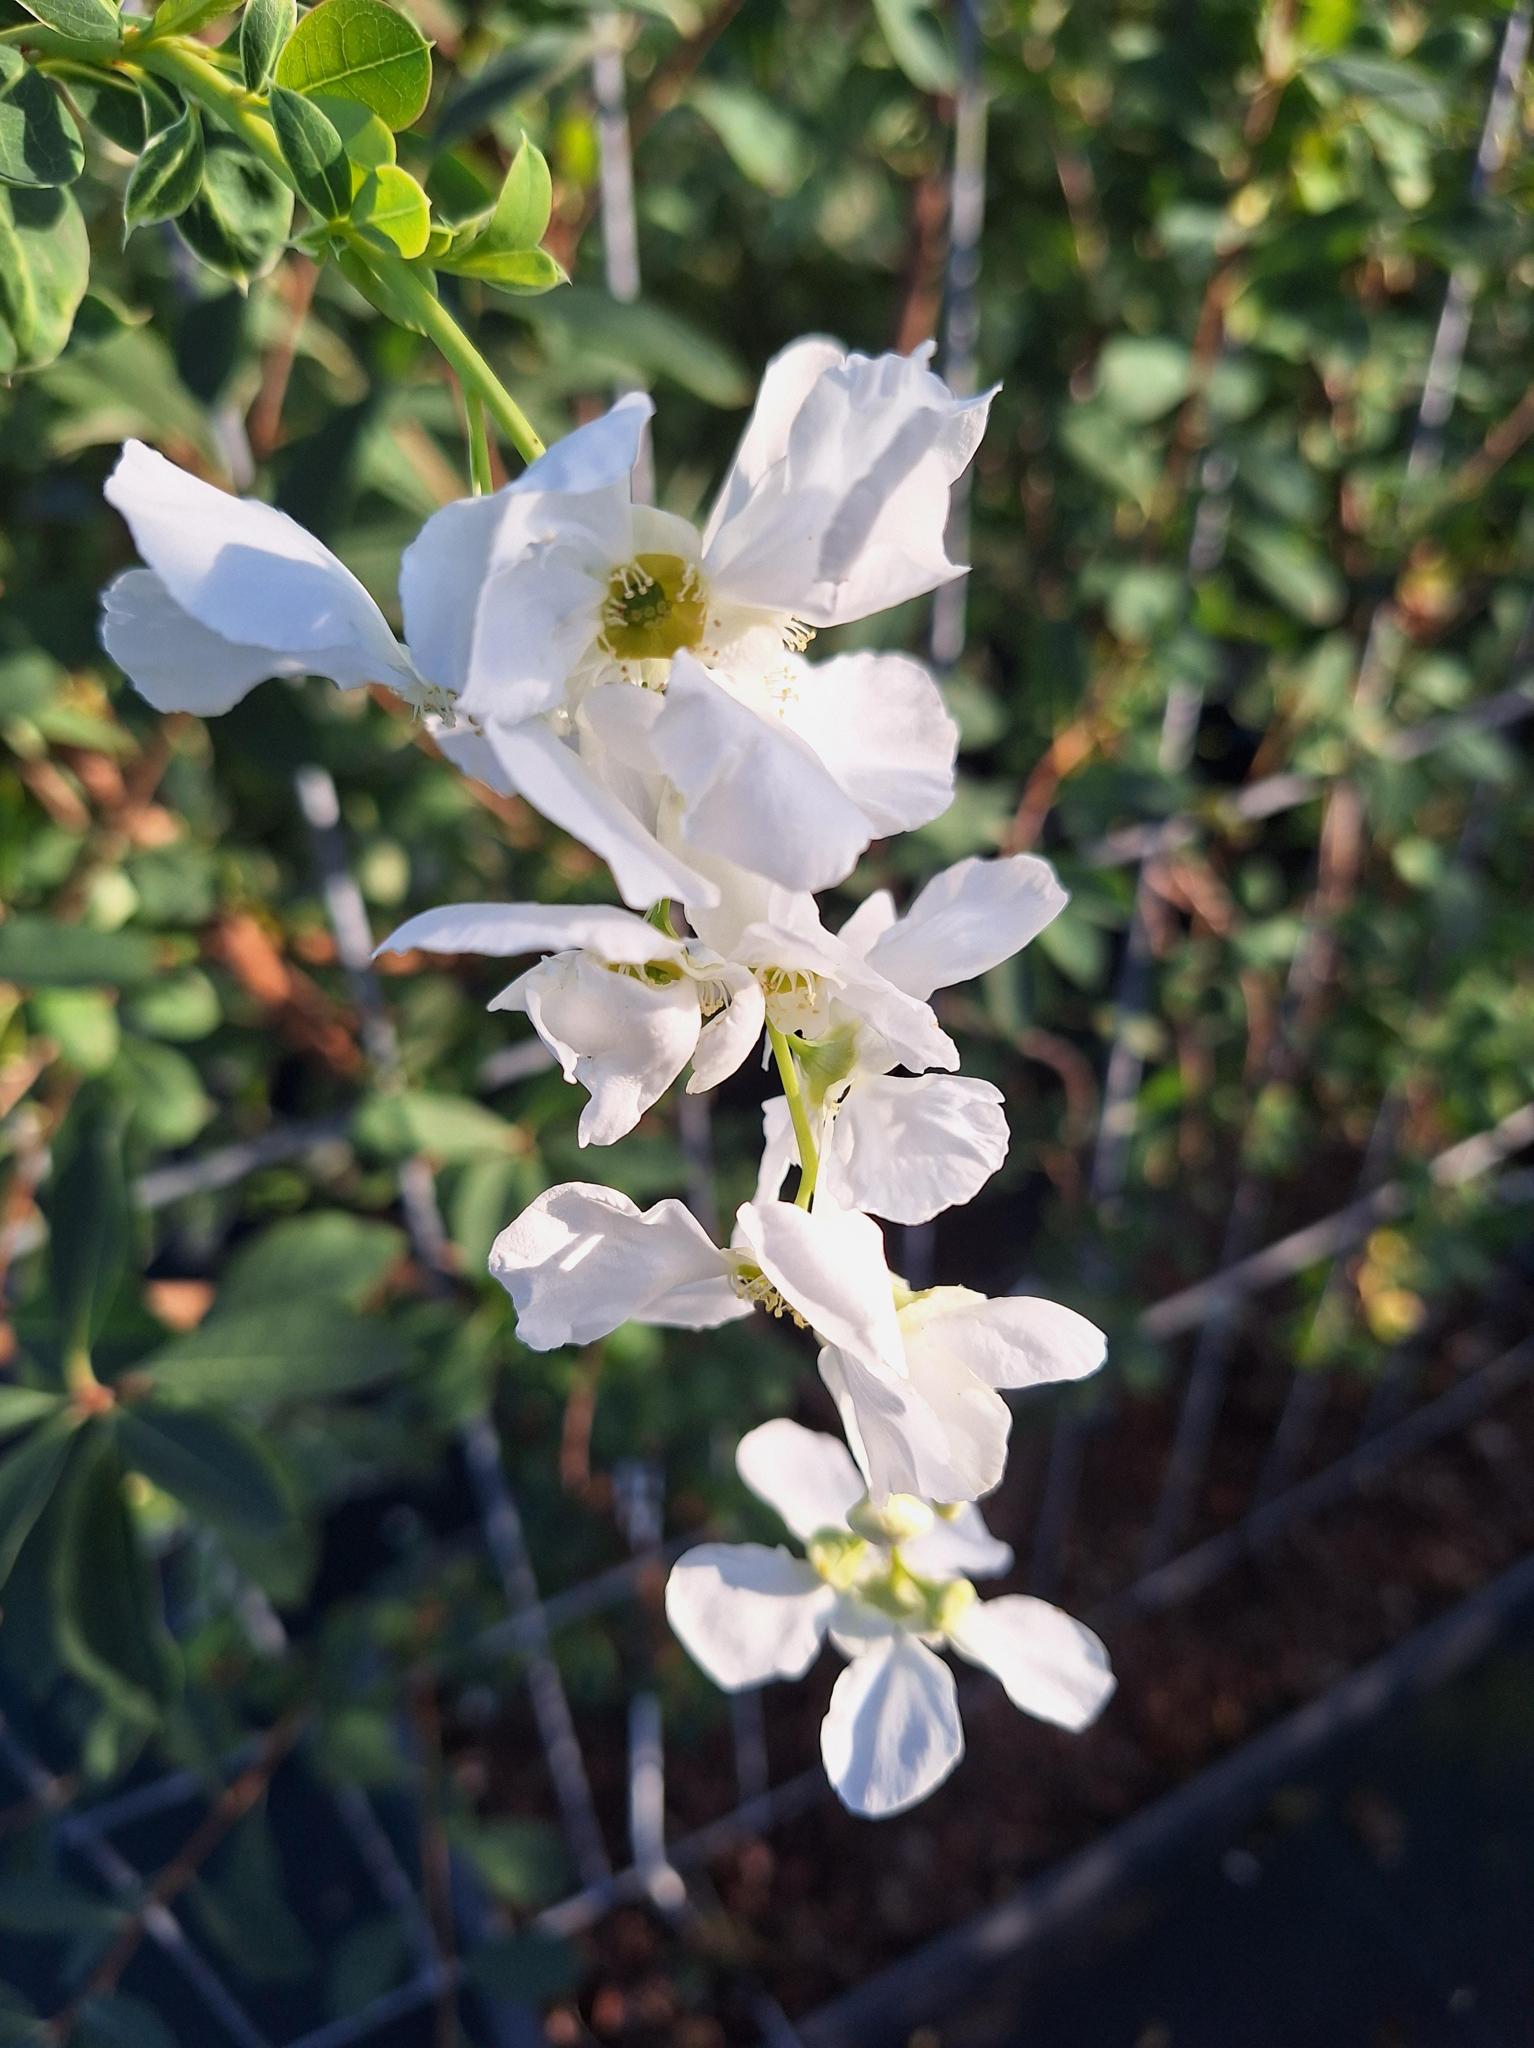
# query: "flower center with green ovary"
[[653, 608]]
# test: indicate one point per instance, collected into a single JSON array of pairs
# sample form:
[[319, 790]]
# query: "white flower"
[[906, 1147], [235, 592], [914, 1376], [531, 604], [887, 1586], [623, 1006]]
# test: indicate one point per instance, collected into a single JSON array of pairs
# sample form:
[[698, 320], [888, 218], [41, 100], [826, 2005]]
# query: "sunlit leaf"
[[360, 50]]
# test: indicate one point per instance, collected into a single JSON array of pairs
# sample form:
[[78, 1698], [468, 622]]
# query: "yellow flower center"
[[654, 607]]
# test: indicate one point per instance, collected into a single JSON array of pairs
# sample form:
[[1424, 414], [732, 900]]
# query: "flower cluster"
[[646, 686]]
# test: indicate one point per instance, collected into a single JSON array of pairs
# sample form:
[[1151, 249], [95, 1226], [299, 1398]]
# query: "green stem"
[[244, 112], [454, 346], [480, 474], [809, 1157]]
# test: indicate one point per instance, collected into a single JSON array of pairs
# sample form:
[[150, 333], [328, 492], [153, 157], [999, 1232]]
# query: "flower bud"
[[899, 1518]]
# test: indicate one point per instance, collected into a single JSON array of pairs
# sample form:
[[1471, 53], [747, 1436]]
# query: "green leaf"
[[361, 50], [239, 221], [40, 953], [184, 17], [326, 1254], [29, 1473], [108, 101], [593, 334], [366, 140], [765, 146], [111, 1628], [162, 1090], [916, 43], [293, 1350], [39, 142], [1141, 377], [90, 1220], [39, 1903], [1295, 571], [535, 1967], [264, 30], [314, 154], [44, 268], [119, 2021], [212, 1467], [20, 1407], [392, 204], [443, 1127], [168, 175], [520, 217], [83, 21], [513, 270]]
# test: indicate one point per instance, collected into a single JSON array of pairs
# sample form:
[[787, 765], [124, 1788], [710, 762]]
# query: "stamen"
[[653, 608], [752, 1285], [797, 635]]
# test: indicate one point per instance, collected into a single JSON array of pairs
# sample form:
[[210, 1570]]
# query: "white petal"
[[582, 1259], [805, 1475], [907, 1148], [892, 1732], [779, 1151], [503, 929], [785, 384], [1050, 1665], [746, 1613], [850, 518], [830, 1265], [1018, 1340], [502, 594], [171, 659], [905, 1028], [753, 792], [968, 919], [942, 1438], [728, 1038], [552, 777], [959, 1546], [622, 1040], [251, 574], [870, 921], [877, 723]]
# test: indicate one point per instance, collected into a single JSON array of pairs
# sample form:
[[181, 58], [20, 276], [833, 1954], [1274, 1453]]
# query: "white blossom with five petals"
[[887, 1586], [915, 1376]]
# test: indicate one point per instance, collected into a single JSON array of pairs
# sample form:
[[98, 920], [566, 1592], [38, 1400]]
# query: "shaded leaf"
[[239, 221], [111, 1628], [39, 142], [166, 178], [90, 1218], [265, 27], [325, 1254], [444, 1127], [44, 269], [39, 952], [295, 1350], [314, 154], [29, 1473], [20, 1407], [212, 1467]]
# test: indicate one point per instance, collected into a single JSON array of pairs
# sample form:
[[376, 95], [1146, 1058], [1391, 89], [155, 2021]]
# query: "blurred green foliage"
[[1216, 251]]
